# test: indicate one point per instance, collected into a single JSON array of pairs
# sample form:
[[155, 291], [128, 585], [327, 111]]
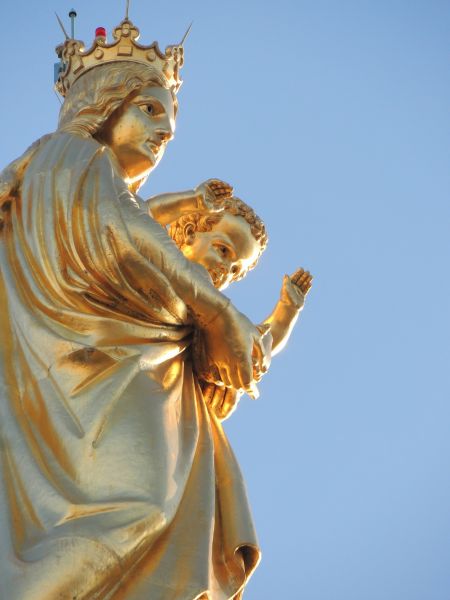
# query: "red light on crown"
[[100, 32]]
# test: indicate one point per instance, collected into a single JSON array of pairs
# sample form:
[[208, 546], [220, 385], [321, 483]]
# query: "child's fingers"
[[307, 285], [299, 276], [296, 276], [220, 187], [302, 279]]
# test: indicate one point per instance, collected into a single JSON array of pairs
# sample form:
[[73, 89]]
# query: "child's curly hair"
[[201, 222]]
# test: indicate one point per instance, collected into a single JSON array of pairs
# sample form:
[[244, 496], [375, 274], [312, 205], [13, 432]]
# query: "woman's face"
[[139, 130]]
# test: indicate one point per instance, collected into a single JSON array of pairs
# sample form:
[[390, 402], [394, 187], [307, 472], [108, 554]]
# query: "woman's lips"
[[155, 148]]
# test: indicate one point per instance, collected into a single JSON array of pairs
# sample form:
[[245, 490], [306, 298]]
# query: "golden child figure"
[[228, 243]]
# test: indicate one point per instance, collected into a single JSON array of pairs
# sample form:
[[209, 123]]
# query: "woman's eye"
[[223, 250], [149, 109]]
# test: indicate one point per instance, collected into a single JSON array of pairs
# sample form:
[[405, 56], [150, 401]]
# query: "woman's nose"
[[164, 135], [166, 131]]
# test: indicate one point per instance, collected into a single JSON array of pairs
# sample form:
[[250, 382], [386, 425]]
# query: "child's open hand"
[[295, 288], [211, 195]]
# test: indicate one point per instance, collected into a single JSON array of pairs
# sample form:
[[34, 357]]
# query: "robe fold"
[[117, 481]]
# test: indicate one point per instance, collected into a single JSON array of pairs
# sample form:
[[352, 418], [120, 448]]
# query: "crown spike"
[[127, 10], [188, 31], [62, 26]]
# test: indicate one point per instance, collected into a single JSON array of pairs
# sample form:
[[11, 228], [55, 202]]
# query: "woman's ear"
[[189, 234]]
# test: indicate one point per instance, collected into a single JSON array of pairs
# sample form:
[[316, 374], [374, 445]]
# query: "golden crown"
[[75, 60]]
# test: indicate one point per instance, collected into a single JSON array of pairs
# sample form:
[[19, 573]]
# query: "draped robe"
[[116, 479]]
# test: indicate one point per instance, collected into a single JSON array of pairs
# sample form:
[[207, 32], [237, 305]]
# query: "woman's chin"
[[134, 175]]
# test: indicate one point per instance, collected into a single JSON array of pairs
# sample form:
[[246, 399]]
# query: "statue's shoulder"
[[61, 152], [50, 154], [62, 146]]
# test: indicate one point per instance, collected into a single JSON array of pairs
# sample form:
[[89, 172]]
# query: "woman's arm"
[[207, 197]]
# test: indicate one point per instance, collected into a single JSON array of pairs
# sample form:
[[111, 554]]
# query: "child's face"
[[226, 251]]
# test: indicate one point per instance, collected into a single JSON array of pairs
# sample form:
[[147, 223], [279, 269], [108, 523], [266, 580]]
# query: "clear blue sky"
[[331, 119]]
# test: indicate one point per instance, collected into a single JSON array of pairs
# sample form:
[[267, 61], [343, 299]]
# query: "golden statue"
[[120, 354]]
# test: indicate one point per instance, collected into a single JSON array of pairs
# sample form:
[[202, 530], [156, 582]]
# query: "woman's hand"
[[235, 350], [222, 401], [211, 195]]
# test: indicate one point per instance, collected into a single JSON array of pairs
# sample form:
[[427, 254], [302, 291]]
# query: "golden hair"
[[100, 92]]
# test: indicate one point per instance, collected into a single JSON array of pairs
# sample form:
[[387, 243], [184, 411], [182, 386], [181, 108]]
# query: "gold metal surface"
[[120, 355]]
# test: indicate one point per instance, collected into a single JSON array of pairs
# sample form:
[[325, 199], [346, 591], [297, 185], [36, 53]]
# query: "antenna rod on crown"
[[188, 31], [72, 15], [127, 10], [62, 26]]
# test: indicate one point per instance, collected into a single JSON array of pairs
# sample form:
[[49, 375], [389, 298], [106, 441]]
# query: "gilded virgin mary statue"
[[119, 353]]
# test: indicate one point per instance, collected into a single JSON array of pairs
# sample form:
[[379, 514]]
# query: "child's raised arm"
[[288, 307], [208, 197]]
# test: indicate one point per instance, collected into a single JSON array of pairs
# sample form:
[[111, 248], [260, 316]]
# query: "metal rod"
[[127, 10], [62, 26], [72, 16], [59, 99], [186, 34]]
